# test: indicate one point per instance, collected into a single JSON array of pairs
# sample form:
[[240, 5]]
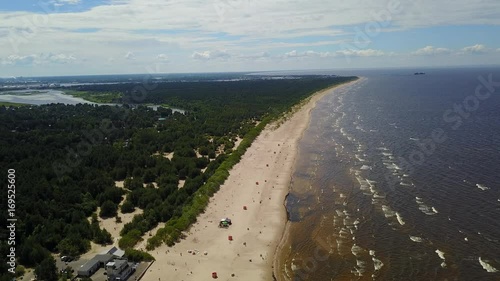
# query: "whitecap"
[[430, 211], [482, 187], [388, 212], [440, 254], [400, 219], [365, 167], [356, 250], [487, 266], [377, 264], [416, 239]]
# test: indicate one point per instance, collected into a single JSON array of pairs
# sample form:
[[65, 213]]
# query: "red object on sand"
[[257, 183], [245, 208], [230, 238], [214, 275]]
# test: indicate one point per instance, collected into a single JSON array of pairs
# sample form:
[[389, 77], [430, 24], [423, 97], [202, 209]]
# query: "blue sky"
[[51, 6], [70, 37]]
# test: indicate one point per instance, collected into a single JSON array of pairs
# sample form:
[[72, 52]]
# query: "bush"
[[130, 239], [108, 209], [127, 207], [138, 256]]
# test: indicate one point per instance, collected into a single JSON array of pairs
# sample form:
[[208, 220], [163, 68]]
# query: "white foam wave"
[[488, 267], [430, 211], [416, 239], [482, 187], [400, 219], [440, 254], [388, 212], [392, 166], [356, 250], [365, 167]]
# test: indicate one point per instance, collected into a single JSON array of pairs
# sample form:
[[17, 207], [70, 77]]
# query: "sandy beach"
[[259, 182]]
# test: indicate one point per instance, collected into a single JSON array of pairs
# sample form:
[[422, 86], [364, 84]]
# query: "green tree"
[[47, 270], [127, 207], [108, 209]]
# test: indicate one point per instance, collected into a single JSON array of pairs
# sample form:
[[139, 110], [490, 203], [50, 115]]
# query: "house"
[[94, 264], [114, 251], [118, 270]]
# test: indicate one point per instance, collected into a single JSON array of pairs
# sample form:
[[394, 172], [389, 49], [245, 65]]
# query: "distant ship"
[[419, 73]]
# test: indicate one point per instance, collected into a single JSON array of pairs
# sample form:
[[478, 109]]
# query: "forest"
[[68, 159]]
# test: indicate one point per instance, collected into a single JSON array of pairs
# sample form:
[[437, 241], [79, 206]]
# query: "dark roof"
[[118, 263], [98, 259], [88, 265], [103, 258]]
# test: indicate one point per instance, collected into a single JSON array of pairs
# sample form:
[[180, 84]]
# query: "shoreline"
[[260, 182], [277, 268]]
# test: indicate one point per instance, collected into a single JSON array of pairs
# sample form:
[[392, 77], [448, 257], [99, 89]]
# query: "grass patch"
[[12, 104], [97, 97]]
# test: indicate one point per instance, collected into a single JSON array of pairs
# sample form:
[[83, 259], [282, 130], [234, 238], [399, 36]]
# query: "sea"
[[398, 178]]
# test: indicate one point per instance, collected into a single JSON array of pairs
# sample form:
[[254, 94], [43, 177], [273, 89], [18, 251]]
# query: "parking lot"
[[75, 264]]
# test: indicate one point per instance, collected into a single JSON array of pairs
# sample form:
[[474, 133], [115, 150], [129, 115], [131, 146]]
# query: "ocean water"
[[398, 178], [39, 97]]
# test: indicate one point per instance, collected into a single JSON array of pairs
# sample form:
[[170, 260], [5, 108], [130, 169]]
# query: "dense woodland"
[[67, 159]]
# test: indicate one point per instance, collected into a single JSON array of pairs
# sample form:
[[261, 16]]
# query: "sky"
[[80, 37]]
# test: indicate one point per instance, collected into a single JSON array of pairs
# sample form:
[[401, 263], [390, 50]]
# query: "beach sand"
[[256, 231]]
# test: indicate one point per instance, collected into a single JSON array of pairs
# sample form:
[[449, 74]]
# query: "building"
[[118, 270], [114, 251], [94, 264]]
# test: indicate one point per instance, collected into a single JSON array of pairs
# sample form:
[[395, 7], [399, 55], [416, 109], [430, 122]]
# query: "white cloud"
[[129, 56], [162, 57], [361, 53], [61, 58], [257, 56], [431, 51], [476, 49], [188, 28], [16, 60], [211, 55], [59, 3], [38, 59], [307, 54]]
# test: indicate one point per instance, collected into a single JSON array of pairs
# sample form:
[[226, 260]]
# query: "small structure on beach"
[[225, 223]]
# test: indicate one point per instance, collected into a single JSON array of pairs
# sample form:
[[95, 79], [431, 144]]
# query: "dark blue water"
[[398, 178]]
